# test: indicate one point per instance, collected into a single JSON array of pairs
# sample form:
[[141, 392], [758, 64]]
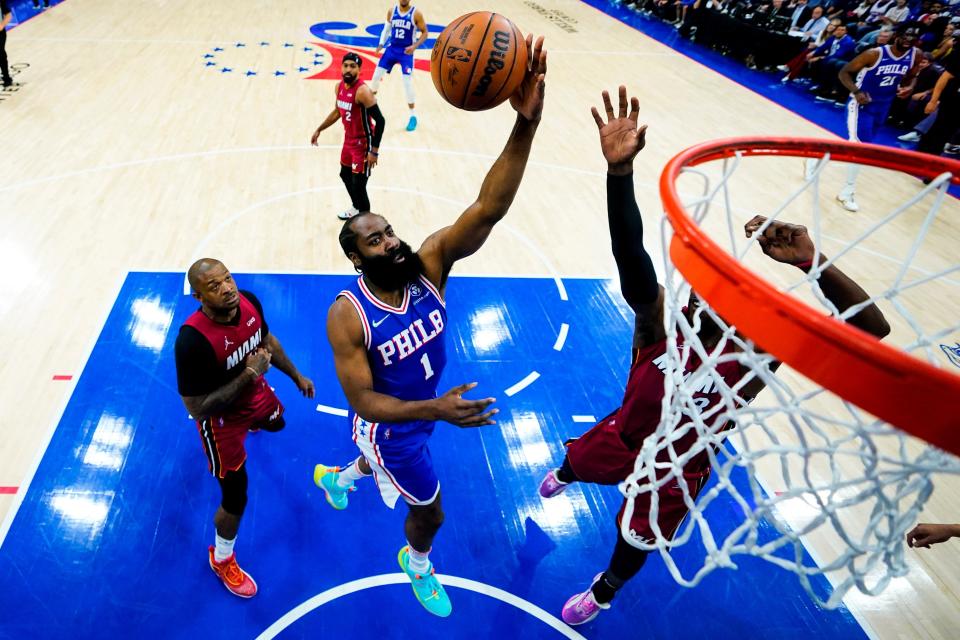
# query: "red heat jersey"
[[231, 345], [640, 412], [356, 123]]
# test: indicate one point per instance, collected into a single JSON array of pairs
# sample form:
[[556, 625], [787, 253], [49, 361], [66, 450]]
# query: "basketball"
[[478, 61]]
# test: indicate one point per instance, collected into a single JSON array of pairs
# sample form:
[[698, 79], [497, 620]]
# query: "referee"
[[5, 17]]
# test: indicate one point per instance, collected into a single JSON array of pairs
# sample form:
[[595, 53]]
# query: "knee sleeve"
[[408, 87], [359, 190], [233, 489], [377, 77]]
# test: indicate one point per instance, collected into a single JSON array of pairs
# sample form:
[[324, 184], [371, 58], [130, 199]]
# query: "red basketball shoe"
[[236, 580]]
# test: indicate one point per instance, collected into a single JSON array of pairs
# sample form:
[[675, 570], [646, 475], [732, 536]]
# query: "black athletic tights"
[[4, 68], [356, 184], [625, 562]]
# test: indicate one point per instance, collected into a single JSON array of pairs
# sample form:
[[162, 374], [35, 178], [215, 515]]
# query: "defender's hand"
[[527, 100], [306, 386], [371, 160], [924, 535], [620, 138], [782, 241], [315, 137], [452, 408]]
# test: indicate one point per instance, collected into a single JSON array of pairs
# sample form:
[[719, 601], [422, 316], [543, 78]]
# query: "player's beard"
[[388, 275]]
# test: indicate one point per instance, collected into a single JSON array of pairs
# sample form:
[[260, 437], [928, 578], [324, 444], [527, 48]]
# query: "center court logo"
[[953, 353]]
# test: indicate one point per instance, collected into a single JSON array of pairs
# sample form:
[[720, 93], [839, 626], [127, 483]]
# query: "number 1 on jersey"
[[427, 369]]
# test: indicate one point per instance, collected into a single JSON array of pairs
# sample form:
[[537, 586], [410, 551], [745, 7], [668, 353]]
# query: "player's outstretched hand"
[[527, 100], [782, 241], [259, 361], [453, 408], [924, 535], [305, 385], [621, 138]]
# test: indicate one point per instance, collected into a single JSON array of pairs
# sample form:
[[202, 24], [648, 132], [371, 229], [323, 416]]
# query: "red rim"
[[910, 394]]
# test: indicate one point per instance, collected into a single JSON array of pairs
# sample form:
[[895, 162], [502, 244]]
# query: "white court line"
[[533, 249], [590, 419], [346, 589], [322, 408], [523, 384], [41, 452], [562, 338]]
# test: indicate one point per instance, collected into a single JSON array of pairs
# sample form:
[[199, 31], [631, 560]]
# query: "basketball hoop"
[[832, 431]]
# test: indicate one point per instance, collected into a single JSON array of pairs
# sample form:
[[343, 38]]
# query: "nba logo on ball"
[[478, 61], [460, 55]]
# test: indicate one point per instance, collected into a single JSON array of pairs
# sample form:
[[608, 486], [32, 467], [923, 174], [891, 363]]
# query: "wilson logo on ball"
[[501, 42]]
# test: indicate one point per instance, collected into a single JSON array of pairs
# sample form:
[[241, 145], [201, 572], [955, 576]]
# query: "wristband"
[[804, 266], [255, 374], [376, 154]]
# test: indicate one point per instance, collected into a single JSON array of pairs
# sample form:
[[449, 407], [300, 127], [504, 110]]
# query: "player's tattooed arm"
[[201, 407], [346, 337], [849, 72], [282, 361], [471, 230]]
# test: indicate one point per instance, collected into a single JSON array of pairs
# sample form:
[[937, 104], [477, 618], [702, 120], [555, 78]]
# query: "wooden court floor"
[[124, 150]]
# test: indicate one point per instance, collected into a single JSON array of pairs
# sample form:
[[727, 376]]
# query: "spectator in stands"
[[877, 12], [814, 26], [835, 43], [924, 535], [877, 38], [800, 13], [896, 14], [945, 100], [945, 46], [907, 109]]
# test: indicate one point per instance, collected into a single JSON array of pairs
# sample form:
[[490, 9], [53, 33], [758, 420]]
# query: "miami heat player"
[[356, 106], [606, 454], [222, 352]]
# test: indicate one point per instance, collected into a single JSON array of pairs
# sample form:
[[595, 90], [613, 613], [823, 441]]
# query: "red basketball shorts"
[[601, 456], [354, 155], [223, 436]]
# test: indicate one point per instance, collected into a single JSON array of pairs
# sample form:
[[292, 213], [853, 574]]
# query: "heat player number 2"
[[427, 369]]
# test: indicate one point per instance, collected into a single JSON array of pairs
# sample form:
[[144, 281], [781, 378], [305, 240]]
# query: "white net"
[[799, 464]]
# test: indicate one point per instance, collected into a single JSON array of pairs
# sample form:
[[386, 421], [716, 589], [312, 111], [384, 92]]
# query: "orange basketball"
[[478, 61]]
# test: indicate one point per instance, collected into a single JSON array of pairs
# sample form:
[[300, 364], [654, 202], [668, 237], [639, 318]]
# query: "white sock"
[[850, 187], [408, 89], [350, 474], [223, 548], [419, 561]]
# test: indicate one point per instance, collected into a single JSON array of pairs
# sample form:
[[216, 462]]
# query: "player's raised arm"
[[850, 70], [472, 228], [621, 139], [345, 333]]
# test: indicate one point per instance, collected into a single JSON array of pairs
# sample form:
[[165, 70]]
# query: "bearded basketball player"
[[222, 352], [388, 333], [606, 454], [356, 106]]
